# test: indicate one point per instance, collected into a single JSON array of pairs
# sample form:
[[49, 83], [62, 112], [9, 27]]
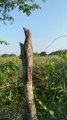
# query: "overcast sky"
[[45, 25]]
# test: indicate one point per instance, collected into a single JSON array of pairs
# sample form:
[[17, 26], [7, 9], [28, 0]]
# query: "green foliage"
[[8, 71], [50, 87], [43, 54], [26, 6], [4, 42], [36, 54], [50, 79], [7, 55], [59, 52]]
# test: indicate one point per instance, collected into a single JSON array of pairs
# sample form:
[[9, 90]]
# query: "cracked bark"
[[27, 59]]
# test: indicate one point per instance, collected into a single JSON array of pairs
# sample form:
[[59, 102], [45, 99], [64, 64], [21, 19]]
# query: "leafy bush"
[[59, 52], [50, 79], [50, 87], [7, 55], [43, 54]]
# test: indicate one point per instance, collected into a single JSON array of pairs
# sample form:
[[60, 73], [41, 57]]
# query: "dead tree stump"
[[27, 59]]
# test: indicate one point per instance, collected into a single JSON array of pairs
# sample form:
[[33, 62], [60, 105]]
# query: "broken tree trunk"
[[27, 59]]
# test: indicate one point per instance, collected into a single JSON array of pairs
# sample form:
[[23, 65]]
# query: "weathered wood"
[[27, 59]]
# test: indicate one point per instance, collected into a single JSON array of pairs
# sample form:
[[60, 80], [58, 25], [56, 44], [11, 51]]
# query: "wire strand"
[[54, 41]]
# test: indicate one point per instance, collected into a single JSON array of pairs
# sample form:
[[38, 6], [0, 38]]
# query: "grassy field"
[[49, 85]]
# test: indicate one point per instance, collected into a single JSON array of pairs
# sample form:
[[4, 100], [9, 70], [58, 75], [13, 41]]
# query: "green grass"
[[50, 87]]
